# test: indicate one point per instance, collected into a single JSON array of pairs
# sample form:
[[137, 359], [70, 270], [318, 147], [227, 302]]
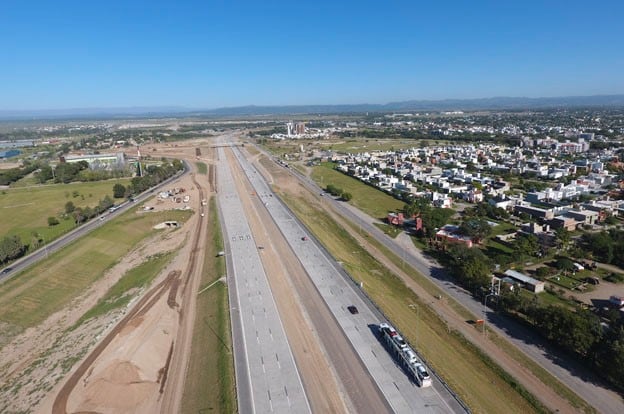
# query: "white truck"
[[405, 354]]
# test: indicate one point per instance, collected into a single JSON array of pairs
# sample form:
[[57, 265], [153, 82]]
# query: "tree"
[[601, 244], [476, 229], [575, 331], [347, 196], [11, 247], [79, 216], [106, 203], [609, 355], [526, 245], [435, 218], [470, 265], [565, 264], [542, 272], [418, 206], [562, 236], [69, 207], [119, 191], [611, 220], [44, 174], [52, 221]]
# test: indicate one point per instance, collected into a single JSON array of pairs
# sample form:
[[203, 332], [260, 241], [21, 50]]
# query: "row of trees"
[[338, 192], [577, 332], [79, 171], [82, 214], [606, 246], [155, 174], [12, 175]]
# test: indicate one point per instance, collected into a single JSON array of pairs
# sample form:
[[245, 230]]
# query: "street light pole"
[[45, 246], [415, 306], [485, 309]]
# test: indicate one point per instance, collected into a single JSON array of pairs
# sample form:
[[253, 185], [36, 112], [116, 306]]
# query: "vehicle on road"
[[353, 310], [304, 238], [6, 270], [405, 354]]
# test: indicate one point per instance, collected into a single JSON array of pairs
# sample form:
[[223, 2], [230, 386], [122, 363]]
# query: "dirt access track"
[[140, 365]]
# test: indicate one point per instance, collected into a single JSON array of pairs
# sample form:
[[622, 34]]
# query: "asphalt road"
[[16, 267], [568, 371]]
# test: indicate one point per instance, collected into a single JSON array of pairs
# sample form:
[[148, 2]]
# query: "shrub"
[[615, 278], [52, 221]]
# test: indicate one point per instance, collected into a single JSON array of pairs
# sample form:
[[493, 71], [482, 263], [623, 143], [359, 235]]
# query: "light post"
[[415, 306], [403, 254], [485, 309], [45, 245]]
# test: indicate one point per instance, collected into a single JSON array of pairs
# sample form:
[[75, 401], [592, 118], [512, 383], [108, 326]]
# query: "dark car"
[[353, 310], [6, 270]]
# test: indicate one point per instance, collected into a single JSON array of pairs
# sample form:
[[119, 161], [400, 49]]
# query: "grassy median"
[[209, 384]]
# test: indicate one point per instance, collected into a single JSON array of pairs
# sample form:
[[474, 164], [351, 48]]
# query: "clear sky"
[[206, 54]]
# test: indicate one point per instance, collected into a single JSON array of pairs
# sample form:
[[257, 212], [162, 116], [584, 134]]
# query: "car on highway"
[[6, 270], [304, 238], [353, 310]]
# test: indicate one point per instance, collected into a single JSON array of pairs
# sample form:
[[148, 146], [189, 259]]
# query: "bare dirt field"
[[136, 352], [145, 354]]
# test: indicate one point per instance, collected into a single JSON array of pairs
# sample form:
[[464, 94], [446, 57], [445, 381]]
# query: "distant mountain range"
[[496, 103]]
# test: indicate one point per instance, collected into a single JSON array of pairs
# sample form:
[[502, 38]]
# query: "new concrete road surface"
[[403, 395], [266, 375]]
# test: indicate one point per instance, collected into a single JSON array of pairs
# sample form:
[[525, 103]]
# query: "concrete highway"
[[569, 372], [339, 292], [266, 375]]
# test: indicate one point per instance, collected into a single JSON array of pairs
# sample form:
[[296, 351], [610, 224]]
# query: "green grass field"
[[30, 297], [210, 384], [369, 144], [392, 231], [25, 210], [475, 378], [372, 201], [202, 168], [565, 281]]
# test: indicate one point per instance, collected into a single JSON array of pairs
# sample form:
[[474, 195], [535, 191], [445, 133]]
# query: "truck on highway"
[[405, 354]]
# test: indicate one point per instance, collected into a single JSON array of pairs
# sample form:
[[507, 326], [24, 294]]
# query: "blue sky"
[[207, 54]]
